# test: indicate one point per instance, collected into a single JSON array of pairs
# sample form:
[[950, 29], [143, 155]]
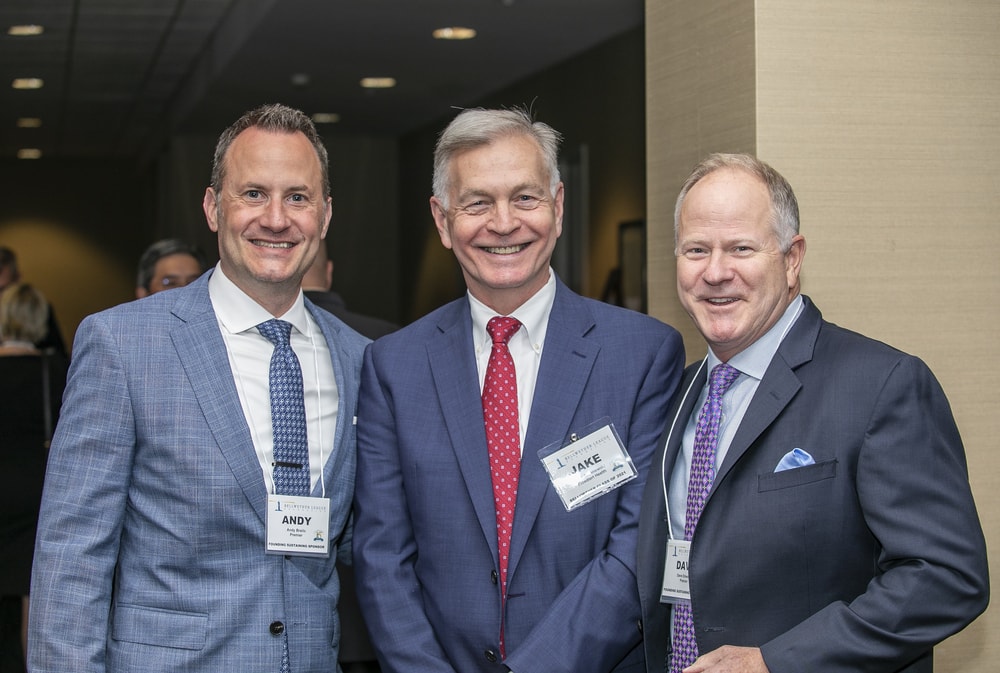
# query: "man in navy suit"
[[160, 544], [592, 384], [839, 533]]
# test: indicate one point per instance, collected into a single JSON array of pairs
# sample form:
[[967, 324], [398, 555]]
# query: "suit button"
[[493, 576], [491, 656], [276, 628]]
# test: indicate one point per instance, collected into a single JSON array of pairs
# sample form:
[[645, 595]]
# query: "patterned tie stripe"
[[502, 437], [706, 437], [288, 413]]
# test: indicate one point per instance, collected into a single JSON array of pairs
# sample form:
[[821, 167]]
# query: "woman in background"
[[31, 388]]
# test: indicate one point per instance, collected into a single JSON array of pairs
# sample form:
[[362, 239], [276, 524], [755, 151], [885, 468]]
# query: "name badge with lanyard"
[[593, 462], [297, 525]]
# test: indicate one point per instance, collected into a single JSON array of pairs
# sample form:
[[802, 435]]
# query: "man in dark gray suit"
[[839, 532]]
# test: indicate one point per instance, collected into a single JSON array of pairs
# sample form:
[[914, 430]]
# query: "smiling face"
[[732, 276], [271, 214], [502, 221]]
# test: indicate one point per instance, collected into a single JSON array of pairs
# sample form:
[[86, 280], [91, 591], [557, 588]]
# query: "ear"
[[441, 221], [208, 204], [793, 260], [328, 215], [560, 196]]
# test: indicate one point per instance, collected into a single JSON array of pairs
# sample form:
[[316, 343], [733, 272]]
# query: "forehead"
[[178, 260], [730, 198], [513, 160], [257, 151]]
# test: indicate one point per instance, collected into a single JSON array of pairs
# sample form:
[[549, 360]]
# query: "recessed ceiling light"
[[29, 153], [29, 123], [326, 117], [378, 82], [301, 79], [454, 33], [26, 29], [28, 83]]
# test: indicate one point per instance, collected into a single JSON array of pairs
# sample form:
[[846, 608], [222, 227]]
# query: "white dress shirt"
[[525, 346], [250, 359]]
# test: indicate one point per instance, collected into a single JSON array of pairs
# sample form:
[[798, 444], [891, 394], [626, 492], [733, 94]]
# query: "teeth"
[[721, 301], [509, 250], [266, 244]]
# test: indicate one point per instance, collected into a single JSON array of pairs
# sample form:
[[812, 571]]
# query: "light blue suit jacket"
[[150, 551], [425, 528]]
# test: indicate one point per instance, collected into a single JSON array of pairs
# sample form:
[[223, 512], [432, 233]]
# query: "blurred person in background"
[[10, 272], [167, 264], [31, 386]]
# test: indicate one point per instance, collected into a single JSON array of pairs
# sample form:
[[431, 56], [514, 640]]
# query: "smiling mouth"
[[270, 244], [720, 301], [506, 250]]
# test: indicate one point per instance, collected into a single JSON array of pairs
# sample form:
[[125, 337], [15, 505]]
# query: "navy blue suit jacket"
[[862, 561], [425, 528]]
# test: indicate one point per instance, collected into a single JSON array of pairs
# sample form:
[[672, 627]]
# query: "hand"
[[729, 659]]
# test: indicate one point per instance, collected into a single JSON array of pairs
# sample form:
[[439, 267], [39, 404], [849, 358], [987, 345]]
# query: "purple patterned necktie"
[[503, 439], [706, 436]]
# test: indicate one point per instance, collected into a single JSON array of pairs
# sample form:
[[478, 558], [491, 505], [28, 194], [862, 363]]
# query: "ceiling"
[[121, 76]]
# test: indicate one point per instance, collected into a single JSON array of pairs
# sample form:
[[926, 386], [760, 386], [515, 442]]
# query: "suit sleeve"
[[931, 579], [593, 624], [83, 507], [384, 546]]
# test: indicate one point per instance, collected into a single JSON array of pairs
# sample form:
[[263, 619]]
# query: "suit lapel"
[[776, 389], [202, 354], [567, 360], [347, 380], [456, 382]]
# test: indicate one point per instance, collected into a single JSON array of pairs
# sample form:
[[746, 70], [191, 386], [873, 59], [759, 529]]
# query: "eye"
[[297, 198], [253, 194], [527, 201], [477, 207], [694, 252]]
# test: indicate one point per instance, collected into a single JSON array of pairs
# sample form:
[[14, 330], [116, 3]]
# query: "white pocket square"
[[794, 458]]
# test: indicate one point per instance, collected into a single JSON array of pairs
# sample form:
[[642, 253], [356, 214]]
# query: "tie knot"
[[502, 328], [722, 377], [277, 331]]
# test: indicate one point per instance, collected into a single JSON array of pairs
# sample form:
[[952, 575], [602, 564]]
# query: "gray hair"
[[274, 118], [477, 127], [784, 205], [161, 249]]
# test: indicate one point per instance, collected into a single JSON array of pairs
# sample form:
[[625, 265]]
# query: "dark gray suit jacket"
[[863, 561]]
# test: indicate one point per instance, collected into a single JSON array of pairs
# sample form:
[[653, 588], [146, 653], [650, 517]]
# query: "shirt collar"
[[755, 358], [532, 314], [237, 312]]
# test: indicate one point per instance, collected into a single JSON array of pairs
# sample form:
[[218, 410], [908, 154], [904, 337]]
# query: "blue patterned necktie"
[[706, 437], [288, 412]]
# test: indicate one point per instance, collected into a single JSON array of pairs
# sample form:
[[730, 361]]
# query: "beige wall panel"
[[885, 117], [699, 99]]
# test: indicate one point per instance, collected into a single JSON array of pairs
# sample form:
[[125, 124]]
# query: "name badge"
[[297, 526], [676, 586], [591, 464]]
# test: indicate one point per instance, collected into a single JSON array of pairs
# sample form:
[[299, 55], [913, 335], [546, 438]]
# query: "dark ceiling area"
[[121, 76]]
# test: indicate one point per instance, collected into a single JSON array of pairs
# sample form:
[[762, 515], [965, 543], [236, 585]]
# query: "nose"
[[504, 220], [274, 215], [717, 268]]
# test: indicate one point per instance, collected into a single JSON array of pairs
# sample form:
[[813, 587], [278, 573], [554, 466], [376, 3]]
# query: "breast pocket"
[[798, 476]]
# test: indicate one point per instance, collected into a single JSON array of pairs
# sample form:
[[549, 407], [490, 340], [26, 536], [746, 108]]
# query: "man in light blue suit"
[[839, 533], [151, 552], [427, 546]]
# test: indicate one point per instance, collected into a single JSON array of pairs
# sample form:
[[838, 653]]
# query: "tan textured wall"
[[885, 117]]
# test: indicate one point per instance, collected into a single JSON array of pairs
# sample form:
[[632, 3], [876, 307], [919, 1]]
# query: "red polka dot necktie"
[[503, 439], [706, 437]]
